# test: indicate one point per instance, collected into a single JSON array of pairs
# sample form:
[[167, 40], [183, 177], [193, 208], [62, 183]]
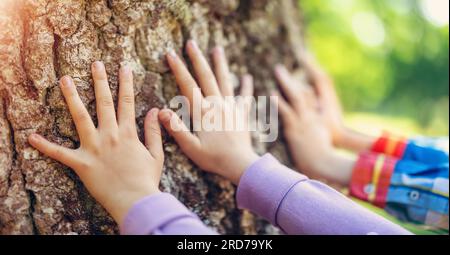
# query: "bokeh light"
[[368, 28], [436, 11]]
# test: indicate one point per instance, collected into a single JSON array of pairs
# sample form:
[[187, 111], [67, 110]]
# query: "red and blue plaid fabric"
[[406, 178]]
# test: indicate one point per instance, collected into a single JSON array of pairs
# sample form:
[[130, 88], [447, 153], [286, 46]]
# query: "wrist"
[[337, 168], [355, 141], [234, 167], [341, 136], [123, 203]]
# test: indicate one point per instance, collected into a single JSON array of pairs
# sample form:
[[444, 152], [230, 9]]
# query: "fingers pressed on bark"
[[287, 86], [126, 109], [184, 79], [83, 122], [54, 151], [187, 141], [222, 71], [105, 104], [152, 129], [204, 74], [247, 89], [286, 111]]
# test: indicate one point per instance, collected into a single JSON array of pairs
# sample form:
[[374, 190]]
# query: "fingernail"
[[154, 113], [165, 115], [219, 50], [193, 44], [66, 81], [34, 137], [125, 69], [172, 54], [98, 65], [279, 68], [248, 77]]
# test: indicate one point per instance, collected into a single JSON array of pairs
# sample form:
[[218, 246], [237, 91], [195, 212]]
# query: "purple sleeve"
[[162, 214], [298, 205]]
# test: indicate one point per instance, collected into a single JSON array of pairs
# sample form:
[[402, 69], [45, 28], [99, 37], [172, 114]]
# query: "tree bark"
[[42, 40]]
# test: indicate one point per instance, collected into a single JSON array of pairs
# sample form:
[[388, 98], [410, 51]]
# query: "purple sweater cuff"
[[147, 215], [264, 185]]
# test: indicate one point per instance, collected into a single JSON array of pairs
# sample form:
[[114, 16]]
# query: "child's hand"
[[307, 134], [114, 165], [331, 109], [329, 103], [227, 153]]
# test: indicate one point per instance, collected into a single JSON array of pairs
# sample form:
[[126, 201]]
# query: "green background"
[[403, 77]]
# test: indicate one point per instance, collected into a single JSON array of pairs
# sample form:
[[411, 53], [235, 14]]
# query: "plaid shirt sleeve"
[[410, 190], [423, 150], [394, 146]]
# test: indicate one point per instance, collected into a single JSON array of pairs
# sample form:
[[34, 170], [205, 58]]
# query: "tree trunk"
[[42, 40]]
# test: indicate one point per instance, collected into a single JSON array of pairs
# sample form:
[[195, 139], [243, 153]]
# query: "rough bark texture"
[[42, 40]]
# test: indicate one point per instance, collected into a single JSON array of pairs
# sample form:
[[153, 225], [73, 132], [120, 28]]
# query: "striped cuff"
[[390, 145], [372, 177]]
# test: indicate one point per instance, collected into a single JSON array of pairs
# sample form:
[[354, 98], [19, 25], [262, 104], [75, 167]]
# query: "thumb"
[[152, 130], [54, 151], [188, 142]]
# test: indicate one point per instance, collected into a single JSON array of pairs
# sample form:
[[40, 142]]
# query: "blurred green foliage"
[[386, 57]]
